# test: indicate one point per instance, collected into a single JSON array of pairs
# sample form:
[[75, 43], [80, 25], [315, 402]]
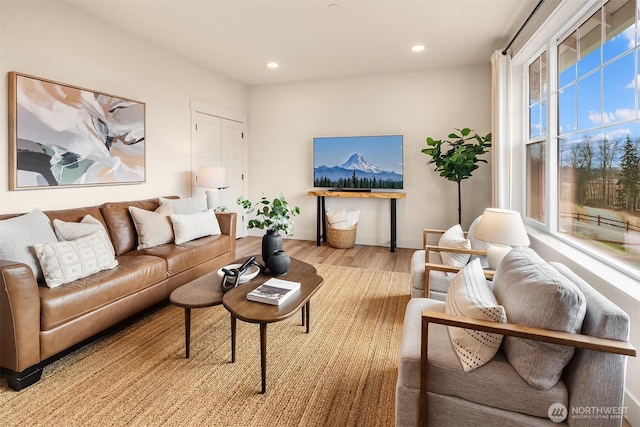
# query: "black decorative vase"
[[279, 263], [271, 242]]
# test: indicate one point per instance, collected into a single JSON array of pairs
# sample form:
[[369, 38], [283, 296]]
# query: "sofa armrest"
[[19, 317], [527, 332], [429, 267], [227, 221], [454, 250], [509, 329]]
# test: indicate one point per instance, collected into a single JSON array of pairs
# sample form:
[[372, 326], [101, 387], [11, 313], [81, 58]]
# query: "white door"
[[233, 147], [219, 142], [206, 146]]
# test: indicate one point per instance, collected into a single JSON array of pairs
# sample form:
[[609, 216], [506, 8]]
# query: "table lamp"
[[213, 179], [504, 229]]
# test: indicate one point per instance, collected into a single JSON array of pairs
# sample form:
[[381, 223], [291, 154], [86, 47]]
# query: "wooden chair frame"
[[508, 329], [428, 267]]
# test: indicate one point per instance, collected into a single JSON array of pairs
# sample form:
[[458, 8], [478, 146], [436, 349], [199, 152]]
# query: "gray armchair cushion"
[[495, 384], [533, 293], [439, 281]]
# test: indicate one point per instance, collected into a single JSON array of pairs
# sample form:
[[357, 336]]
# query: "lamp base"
[[213, 198], [495, 253]]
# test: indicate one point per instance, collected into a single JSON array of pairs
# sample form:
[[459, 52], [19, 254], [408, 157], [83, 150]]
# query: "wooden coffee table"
[[236, 302], [202, 292]]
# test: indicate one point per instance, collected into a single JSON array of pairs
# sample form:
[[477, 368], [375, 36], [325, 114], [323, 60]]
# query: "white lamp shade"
[[502, 227], [211, 177]]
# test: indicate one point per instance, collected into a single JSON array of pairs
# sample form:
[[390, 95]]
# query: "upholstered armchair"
[[430, 274], [561, 352]]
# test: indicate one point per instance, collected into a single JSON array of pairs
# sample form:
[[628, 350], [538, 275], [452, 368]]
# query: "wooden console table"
[[321, 216]]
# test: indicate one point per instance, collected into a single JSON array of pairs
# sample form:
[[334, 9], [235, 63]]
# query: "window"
[[598, 134], [535, 150]]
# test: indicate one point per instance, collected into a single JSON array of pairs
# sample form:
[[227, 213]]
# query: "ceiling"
[[310, 39]]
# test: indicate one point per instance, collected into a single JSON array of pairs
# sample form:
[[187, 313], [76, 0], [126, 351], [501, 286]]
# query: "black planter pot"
[[271, 242], [279, 263]]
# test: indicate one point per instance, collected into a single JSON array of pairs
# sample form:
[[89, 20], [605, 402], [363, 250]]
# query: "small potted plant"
[[274, 216]]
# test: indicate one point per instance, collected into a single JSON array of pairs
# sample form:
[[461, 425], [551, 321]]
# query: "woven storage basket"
[[341, 238]]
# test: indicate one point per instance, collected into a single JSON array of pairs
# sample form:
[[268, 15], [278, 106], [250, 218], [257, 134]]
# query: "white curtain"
[[500, 148]]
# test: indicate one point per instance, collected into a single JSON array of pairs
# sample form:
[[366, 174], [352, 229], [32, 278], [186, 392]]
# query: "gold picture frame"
[[64, 136]]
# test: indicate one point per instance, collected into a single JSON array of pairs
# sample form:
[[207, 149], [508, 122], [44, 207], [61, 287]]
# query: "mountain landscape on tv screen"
[[356, 172]]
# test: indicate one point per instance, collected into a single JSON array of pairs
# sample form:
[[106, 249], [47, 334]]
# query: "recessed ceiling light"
[[417, 48], [272, 65], [333, 6]]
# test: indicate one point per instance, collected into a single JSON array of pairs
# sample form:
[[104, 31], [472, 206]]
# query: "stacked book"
[[274, 291]]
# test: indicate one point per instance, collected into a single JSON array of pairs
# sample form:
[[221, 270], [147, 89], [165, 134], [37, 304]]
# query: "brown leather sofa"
[[37, 323]]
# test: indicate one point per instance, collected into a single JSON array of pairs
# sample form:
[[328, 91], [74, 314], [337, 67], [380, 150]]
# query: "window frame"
[[552, 190], [542, 138]]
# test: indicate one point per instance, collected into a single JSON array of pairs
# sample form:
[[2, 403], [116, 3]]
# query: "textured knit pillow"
[[470, 296], [454, 238], [188, 205], [74, 230], [19, 234], [535, 294], [64, 262], [192, 226], [153, 228]]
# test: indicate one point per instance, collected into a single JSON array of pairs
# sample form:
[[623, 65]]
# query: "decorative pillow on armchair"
[[454, 238], [535, 294], [470, 296]]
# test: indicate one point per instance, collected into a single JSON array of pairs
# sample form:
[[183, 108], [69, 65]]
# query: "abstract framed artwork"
[[62, 135]]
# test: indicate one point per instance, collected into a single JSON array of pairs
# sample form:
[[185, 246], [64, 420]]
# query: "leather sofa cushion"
[[76, 215], [189, 254], [495, 384], [120, 224], [67, 302]]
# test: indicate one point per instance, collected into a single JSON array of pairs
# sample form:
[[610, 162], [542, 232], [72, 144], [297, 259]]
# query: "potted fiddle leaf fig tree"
[[457, 157]]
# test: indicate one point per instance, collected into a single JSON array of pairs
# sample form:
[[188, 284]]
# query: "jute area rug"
[[343, 373]]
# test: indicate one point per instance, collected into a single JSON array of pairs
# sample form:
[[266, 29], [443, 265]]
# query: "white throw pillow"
[[470, 296], [153, 228], [19, 234], [64, 262], [74, 230], [337, 218], [192, 226], [188, 205], [454, 238], [342, 219]]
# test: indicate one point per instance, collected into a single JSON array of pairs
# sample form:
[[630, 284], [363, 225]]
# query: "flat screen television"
[[359, 163]]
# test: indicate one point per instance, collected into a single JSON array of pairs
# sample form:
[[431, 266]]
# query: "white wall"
[[285, 118], [56, 41]]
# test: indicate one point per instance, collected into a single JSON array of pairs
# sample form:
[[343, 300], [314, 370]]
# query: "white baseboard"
[[633, 409]]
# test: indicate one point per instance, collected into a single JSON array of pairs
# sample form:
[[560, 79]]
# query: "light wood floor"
[[370, 257]]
